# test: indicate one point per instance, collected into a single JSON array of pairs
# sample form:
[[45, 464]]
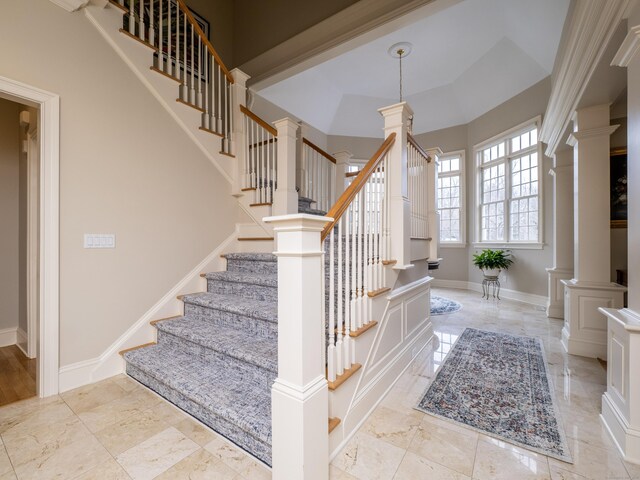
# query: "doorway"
[[39, 151]]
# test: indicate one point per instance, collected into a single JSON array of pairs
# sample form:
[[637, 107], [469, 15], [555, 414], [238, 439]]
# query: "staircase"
[[219, 360]]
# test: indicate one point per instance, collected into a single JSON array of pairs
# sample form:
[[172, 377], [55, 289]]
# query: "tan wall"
[[9, 214], [275, 21], [125, 168], [219, 14]]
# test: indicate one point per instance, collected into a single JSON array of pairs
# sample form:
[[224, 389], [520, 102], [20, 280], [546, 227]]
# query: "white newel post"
[[562, 174], [432, 195], [285, 199], [300, 395], [395, 121], [621, 401], [342, 166], [585, 328], [238, 97]]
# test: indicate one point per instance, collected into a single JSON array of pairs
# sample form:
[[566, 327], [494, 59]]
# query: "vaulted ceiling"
[[466, 59]]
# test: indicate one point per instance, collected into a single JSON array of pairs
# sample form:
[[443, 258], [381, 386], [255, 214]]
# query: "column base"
[[555, 304], [585, 328], [620, 407]]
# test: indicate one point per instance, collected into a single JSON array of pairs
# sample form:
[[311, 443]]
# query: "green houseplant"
[[492, 262]]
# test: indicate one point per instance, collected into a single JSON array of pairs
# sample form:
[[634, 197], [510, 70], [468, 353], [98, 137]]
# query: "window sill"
[[453, 245], [509, 246]]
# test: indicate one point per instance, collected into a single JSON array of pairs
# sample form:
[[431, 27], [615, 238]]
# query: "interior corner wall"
[[9, 214], [126, 168]]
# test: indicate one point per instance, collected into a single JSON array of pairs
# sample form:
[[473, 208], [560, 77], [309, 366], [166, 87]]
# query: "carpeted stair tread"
[[252, 257], [244, 277], [260, 309], [258, 351], [224, 391]]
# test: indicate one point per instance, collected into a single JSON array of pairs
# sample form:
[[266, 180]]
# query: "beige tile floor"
[[116, 429]]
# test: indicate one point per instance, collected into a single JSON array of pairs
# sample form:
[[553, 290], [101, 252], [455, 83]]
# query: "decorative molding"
[[506, 293], [590, 28], [71, 5], [110, 363], [21, 339], [575, 137], [8, 336], [630, 46]]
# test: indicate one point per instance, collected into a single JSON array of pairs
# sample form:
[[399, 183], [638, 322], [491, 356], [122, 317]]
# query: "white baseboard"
[[8, 336], [523, 297], [22, 339], [110, 363]]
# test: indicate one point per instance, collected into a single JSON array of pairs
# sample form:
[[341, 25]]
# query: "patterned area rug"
[[441, 305], [499, 385]]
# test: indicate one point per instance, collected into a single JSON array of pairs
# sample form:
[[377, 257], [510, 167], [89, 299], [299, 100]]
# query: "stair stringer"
[[139, 58], [404, 330]]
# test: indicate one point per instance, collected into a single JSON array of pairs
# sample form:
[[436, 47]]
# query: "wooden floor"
[[17, 375]]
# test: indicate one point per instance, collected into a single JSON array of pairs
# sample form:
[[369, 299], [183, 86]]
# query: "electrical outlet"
[[99, 240]]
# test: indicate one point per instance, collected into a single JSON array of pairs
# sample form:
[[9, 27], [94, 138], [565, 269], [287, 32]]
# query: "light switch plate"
[[99, 240]]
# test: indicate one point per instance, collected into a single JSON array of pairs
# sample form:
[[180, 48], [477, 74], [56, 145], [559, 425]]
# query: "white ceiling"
[[466, 60]]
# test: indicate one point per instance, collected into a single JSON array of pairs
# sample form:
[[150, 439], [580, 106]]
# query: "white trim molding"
[[49, 267], [590, 28], [71, 5], [506, 293], [8, 336], [629, 48]]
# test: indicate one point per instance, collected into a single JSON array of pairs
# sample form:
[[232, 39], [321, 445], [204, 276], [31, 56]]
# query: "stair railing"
[[356, 246], [318, 175], [260, 157], [418, 182], [184, 53]]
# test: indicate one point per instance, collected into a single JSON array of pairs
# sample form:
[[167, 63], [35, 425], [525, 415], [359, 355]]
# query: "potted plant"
[[492, 262]]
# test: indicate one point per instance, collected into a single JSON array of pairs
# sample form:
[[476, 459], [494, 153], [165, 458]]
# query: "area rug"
[[498, 384], [441, 305]]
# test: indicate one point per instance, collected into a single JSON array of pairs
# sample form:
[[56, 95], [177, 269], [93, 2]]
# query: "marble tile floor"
[[117, 429]]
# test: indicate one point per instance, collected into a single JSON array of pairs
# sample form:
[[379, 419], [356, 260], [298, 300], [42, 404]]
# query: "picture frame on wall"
[[618, 187]]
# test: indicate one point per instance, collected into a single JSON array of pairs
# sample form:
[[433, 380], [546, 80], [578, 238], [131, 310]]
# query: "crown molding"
[[575, 137], [71, 5], [629, 48], [590, 28]]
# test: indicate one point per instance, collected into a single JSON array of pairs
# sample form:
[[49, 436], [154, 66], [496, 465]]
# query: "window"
[[508, 168], [451, 197]]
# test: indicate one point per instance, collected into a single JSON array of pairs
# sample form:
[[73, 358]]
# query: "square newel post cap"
[[299, 222], [286, 126], [239, 77], [397, 113], [343, 156]]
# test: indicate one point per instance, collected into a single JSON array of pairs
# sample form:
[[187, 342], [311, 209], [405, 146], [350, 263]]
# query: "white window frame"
[[505, 136], [463, 203]]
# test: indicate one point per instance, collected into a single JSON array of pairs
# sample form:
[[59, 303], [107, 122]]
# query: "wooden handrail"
[[413, 142], [357, 184], [205, 40], [258, 120], [266, 142], [326, 155], [352, 174]]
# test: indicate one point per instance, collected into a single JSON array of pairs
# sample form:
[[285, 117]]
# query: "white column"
[[585, 329], [300, 395], [562, 269], [621, 401], [342, 163], [238, 97], [395, 121], [285, 199], [432, 195]]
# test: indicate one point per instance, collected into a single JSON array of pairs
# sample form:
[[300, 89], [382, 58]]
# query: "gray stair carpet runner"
[[304, 206], [219, 361]]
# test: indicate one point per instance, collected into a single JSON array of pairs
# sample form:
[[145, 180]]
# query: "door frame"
[[33, 256], [48, 105]]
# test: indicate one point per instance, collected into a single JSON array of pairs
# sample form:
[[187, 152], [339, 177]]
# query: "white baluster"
[[199, 84], [132, 22], [152, 28], [141, 20], [348, 268], [161, 55], [331, 350], [340, 296], [177, 72]]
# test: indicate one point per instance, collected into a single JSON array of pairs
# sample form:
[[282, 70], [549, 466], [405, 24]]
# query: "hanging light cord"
[[400, 53]]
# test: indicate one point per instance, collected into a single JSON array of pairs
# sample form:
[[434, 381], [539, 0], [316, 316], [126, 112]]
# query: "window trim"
[[463, 199], [510, 244]]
